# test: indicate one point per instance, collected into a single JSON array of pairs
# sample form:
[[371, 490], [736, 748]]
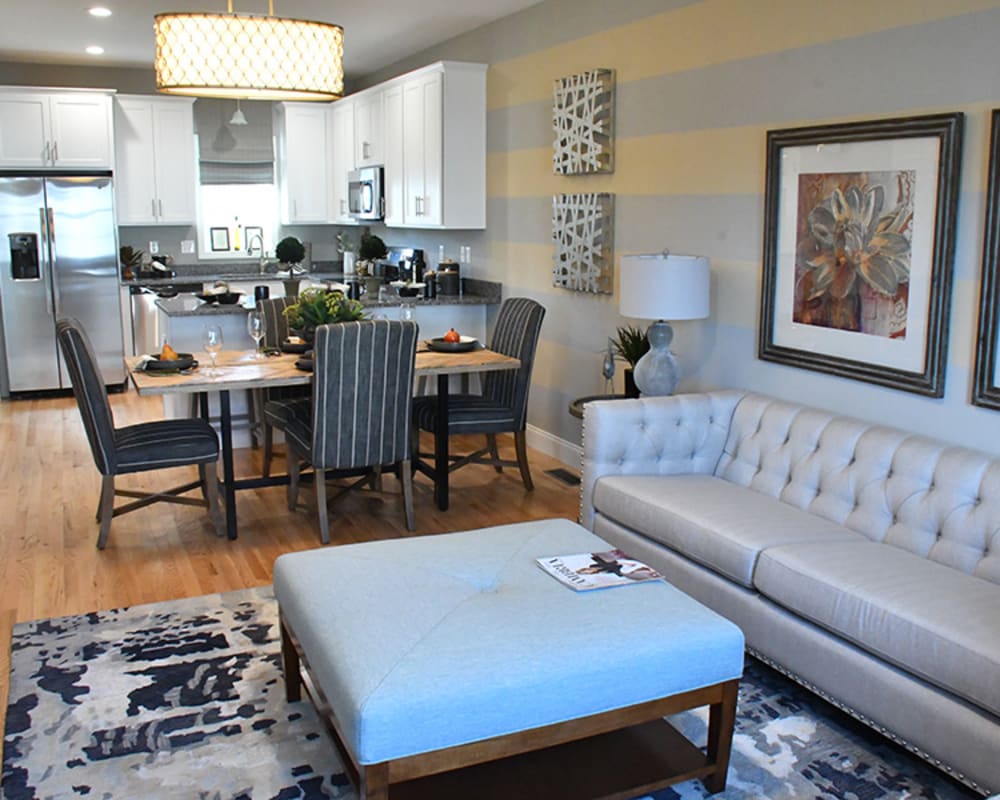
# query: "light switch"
[[154, 248], [187, 245]]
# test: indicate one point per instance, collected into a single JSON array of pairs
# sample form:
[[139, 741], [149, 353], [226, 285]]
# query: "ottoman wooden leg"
[[290, 666], [721, 719], [374, 782]]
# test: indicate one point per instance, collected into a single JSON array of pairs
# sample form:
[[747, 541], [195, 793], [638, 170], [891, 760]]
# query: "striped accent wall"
[[698, 85]]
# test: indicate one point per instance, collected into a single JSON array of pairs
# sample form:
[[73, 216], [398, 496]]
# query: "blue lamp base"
[[656, 373]]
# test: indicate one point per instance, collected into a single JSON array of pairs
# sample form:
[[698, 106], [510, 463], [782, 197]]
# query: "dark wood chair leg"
[[106, 510], [374, 782], [406, 478], [491, 443], [210, 488], [293, 477], [521, 446], [319, 478]]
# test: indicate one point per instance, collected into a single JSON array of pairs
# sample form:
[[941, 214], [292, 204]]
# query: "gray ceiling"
[[377, 33]]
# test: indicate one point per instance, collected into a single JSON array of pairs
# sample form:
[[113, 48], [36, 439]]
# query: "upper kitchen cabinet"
[[342, 156], [435, 147], [368, 129], [55, 130], [303, 162], [155, 176]]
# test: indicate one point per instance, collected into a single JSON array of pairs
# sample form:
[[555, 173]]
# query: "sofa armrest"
[[681, 434]]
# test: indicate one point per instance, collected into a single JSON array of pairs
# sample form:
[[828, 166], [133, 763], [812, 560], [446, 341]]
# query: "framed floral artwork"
[[859, 234], [986, 382]]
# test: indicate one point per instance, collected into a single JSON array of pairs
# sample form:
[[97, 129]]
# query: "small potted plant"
[[318, 306], [630, 345], [290, 252]]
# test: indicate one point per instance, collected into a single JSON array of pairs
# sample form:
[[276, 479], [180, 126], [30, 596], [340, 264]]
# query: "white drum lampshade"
[[662, 287]]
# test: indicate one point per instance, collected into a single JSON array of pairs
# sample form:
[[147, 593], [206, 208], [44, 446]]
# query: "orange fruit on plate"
[[452, 336]]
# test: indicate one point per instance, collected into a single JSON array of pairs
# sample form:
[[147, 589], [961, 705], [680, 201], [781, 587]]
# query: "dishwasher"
[[146, 336]]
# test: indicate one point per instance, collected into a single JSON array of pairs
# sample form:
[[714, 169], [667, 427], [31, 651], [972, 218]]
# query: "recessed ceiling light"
[[100, 11], [95, 50]]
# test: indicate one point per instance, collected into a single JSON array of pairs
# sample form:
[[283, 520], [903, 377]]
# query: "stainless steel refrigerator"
[[58, 258]]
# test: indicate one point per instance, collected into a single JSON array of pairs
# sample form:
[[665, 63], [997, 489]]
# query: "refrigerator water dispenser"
[[24, 256]]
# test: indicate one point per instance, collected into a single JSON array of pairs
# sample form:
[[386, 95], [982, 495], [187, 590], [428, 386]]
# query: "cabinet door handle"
[[152, 203], [45, 154], [365, 150], [343, 206], [159, 204], [55, 152]]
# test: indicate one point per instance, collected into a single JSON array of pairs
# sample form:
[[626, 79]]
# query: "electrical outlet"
[[154, 248], [187, 245]]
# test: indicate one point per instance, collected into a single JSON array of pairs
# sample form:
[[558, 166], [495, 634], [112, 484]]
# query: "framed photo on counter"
[[859, 232]]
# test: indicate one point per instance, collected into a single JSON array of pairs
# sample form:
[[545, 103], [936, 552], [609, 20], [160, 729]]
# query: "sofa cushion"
[[708, 519], [928, 619]]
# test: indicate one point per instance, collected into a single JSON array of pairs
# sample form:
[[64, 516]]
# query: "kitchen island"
[[181, 320]]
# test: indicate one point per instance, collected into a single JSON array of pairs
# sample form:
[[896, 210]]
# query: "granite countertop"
[[475, 292]]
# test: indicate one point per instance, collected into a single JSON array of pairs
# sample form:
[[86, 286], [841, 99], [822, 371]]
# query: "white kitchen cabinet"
[[156, 174], [368, 129], [304, 162], [341, 157], [55, 130], [435, 147]]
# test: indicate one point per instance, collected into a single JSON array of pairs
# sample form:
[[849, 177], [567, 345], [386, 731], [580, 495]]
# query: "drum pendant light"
[[248, 56]]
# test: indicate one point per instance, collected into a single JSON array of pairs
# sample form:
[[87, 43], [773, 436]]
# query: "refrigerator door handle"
[[46, 270], [52, 259]]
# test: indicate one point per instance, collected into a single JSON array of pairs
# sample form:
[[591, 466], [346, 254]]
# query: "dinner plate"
[[463, 345], [183, 361], [294, 347]]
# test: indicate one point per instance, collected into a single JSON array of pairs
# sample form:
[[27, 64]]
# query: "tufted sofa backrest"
[[935, 500]]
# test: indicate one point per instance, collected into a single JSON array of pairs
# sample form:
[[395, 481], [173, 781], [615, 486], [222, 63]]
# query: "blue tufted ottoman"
[[442, 662]]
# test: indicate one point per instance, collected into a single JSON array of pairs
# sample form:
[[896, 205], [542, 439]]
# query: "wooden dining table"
[[237, 370]]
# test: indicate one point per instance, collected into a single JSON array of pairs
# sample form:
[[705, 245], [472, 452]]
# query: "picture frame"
[[583, 109], [986, 373], [583, 232], [859, 239], [220, 239]]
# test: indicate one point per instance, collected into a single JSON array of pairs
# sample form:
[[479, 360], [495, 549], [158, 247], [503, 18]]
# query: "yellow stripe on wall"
[[707, 33], [719, 161]]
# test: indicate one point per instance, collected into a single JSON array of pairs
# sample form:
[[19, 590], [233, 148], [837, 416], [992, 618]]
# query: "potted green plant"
[[131, 261], [630, 345], [318, 306], [290, 252]]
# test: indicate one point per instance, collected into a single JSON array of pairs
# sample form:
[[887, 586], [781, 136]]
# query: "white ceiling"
[[376, 32]]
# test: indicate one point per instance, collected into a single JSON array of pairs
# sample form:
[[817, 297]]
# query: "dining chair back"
[[359, 416], [275, 332], [502, 406], [136, 448]]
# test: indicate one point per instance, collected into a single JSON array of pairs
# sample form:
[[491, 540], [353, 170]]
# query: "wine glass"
[[211, 339], [256, 326]]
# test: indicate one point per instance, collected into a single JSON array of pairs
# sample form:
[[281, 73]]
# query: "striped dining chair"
[[136, 448], [502, 406], [358, 418]]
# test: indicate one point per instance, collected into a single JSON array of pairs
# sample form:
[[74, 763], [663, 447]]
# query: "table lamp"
[[662, 286]]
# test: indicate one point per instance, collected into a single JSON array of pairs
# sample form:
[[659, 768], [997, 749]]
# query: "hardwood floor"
[[50, 566]]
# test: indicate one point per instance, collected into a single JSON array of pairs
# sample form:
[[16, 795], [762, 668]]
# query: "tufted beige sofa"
[[861, 560]]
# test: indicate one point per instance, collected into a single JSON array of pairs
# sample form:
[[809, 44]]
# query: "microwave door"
[[367, 198]]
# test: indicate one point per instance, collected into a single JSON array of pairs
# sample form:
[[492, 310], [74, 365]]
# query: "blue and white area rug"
[[186, 700]]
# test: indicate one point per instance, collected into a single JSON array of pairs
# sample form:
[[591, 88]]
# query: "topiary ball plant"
[[290, 251], [372, 248]]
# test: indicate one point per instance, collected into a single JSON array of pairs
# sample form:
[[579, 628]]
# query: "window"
[[238, 198]]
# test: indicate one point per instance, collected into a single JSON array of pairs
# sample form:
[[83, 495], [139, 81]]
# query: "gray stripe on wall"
[[838, 79]]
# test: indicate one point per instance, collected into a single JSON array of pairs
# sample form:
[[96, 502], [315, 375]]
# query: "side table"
[[576, 407]]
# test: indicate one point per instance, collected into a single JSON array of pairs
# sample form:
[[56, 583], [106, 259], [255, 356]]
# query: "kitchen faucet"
[[260, 243]]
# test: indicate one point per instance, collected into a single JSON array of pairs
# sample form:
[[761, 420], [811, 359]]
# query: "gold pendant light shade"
[[248, 56]]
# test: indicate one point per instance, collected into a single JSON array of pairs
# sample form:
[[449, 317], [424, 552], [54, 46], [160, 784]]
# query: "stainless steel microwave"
[[364, 193]]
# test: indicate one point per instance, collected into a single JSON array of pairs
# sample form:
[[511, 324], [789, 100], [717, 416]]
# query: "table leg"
[[228, 473], [441, 445]]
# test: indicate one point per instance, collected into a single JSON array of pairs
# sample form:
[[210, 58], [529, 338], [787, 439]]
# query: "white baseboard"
[[568, 453]]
